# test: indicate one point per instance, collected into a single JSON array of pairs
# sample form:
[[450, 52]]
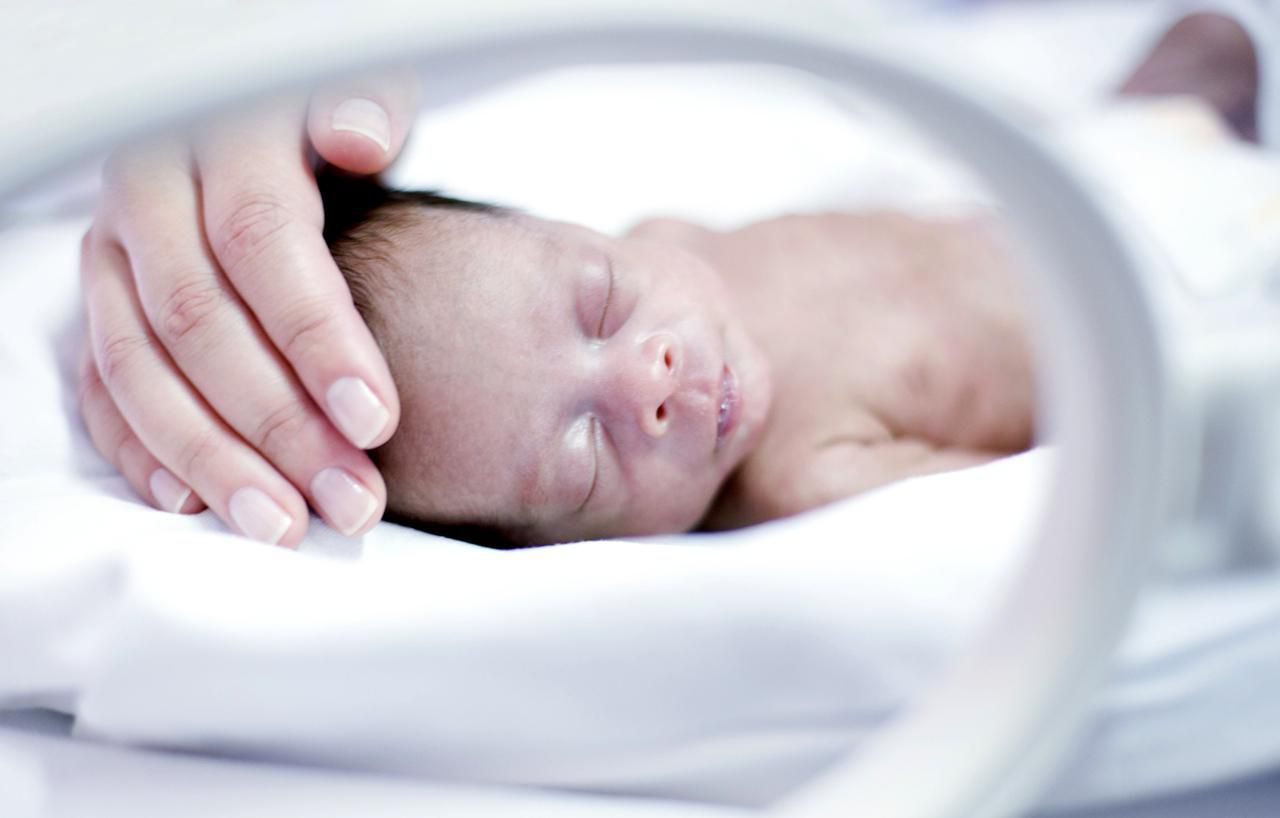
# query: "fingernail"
[[357, 411], [258, 516], [168, 490], [365, 117], [345, 502]]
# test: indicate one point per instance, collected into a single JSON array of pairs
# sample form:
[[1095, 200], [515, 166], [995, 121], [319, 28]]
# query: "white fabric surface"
[[719, 668], [723, 669], [42, 775]]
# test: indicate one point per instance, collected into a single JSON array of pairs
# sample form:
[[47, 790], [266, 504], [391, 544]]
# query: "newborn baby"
[[558, 384]]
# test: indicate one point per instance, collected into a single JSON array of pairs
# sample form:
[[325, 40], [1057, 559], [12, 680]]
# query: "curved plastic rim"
[[983, 741]]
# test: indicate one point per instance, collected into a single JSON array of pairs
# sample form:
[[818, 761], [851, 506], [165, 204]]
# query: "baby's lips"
[[729, 406]]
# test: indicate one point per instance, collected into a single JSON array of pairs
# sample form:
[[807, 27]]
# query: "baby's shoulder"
[[801, 463]]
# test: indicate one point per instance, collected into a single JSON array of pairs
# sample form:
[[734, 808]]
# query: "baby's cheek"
[[677, 500], [404, 497], [442, 478]]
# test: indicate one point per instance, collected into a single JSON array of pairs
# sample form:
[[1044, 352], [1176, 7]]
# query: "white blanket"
[[724, 668]]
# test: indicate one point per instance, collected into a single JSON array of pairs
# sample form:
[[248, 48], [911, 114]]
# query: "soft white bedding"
[[43, 774], [719, 668], [722, 669]]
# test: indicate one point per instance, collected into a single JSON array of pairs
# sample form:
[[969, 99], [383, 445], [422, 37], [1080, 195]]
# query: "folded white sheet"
[[725, 668], [721, 668], [42, 775]]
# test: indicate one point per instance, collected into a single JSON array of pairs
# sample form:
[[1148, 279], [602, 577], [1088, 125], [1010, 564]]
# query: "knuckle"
[[118, 446], [312, 323], [198, 455], [280, 428], [117, 354], [109, 436], [251, 225], [133, 458], [88, 385], [189, 309]]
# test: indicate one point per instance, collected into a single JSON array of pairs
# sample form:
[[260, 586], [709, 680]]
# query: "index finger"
[[264, 220]]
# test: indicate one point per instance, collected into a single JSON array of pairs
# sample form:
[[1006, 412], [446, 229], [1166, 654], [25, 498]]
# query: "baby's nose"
[[649, 379]]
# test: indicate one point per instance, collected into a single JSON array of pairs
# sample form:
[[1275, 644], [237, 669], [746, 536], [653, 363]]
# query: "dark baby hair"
[[362, 218]]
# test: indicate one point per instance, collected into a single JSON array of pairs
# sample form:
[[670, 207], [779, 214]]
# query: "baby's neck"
[[775, 300]]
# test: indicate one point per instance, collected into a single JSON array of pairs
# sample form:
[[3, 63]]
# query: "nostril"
[[657, 425], [667, 360]]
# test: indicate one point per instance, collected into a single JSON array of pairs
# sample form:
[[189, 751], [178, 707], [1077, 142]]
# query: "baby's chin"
[[753, 398]]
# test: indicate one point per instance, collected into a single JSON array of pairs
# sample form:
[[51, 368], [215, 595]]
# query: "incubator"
[[1161, 411]]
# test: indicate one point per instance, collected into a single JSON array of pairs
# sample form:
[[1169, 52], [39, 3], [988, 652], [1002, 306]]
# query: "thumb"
[[360, 124]]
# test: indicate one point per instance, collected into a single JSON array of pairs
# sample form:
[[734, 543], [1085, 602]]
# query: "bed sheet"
[[724, 669], [44, 776], [715, 667]]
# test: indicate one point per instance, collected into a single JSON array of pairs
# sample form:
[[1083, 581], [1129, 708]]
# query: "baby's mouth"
[[730, 405]]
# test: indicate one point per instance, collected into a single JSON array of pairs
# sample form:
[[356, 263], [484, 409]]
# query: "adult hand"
[[228, 367]]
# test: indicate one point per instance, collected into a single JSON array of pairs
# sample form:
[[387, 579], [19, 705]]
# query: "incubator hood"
[[1127, 409]]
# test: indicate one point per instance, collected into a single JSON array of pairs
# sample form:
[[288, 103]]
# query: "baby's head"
[[555, 384]]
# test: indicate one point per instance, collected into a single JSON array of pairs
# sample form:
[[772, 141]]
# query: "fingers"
[[172, 421], [264, 222], [360, 124], [229, 362], [223, 354], [117, 442]]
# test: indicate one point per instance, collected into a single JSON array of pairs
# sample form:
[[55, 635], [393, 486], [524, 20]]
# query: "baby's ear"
[[692, 237]]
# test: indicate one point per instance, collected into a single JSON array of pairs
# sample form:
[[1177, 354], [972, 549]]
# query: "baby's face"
[[559, 384]]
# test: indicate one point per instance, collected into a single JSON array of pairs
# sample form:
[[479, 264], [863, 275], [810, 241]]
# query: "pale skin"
[[557, 383], [227, 368], [225, 364], [219, 326], [867, 348], [892, 347], [899, 347]]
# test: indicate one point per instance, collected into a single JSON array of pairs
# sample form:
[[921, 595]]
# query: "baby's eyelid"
[[593, 431], [608, 298]]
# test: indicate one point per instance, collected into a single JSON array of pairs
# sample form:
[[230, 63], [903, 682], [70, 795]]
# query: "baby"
[[558, 384]]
